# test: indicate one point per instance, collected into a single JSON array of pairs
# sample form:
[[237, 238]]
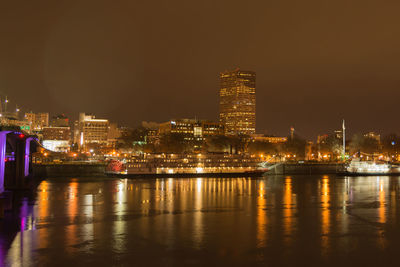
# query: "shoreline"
[[99, 170]]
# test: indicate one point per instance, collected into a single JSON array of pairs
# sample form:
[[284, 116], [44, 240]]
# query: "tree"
[[391, 144], [331, 145], [295, 146], [258, 147], [363, 144], [218, 143], [134, 139], [174, 143], [231, 144], [238, 143]]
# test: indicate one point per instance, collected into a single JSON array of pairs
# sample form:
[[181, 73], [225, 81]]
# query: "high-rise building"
[[237, 102]]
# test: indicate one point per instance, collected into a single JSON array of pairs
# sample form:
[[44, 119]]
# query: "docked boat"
[[367, 167], [186, 165]]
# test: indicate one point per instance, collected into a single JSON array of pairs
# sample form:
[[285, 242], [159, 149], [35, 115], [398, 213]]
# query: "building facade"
[[92, 130], [237, 102], [269, 139], [192, 127], [57, 139], [37, 120]]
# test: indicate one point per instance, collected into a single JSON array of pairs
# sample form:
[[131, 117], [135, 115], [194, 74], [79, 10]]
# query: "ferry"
[[368, 167], [186, 165]]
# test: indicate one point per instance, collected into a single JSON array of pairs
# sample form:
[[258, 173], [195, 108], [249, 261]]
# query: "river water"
[[308, 220]]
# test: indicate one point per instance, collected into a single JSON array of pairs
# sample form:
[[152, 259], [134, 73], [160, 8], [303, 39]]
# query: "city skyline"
[[163, 62], [58, 117], [202, 133]]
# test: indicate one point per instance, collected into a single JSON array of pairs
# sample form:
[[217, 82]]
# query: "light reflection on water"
[[198, 220], [325, 212], [261, 215]]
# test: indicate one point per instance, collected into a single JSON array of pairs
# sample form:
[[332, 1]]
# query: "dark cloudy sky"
[[317, 61]]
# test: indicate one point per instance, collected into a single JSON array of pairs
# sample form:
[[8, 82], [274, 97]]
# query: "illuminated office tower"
[[92, 130], [237, 102]]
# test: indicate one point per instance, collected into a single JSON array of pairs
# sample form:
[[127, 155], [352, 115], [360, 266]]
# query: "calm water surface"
[[270, 221]]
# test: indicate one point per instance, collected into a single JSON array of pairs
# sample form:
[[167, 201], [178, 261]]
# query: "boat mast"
[[344, 142]]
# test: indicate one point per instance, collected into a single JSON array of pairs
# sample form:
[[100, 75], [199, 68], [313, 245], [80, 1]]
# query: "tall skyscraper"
[[237, 102]]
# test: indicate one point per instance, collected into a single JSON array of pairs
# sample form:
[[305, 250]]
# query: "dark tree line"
[[138, 140]]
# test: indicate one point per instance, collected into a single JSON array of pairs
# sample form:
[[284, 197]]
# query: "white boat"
[[367, 167]]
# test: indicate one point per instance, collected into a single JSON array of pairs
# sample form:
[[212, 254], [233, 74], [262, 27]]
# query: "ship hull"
[[186, 175], [345, 173]]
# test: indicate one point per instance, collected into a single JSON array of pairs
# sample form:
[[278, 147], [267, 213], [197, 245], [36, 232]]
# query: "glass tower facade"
[[237, 102]]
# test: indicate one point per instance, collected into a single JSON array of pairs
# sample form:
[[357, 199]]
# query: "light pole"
[[344, 142]]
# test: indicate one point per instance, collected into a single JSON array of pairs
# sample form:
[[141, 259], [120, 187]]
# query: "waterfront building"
[[56, 133], [37, 121], [181, 126], [237, 102], [211, 128], [192, 127], [56, 139], [92, 130], [269, 139]]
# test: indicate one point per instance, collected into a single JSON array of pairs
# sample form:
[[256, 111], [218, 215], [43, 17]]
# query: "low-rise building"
[[269, 139], [57, 139], [37, 120], [192, 127], [92, 130]]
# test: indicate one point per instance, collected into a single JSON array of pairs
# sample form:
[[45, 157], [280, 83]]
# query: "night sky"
[[316, 61]]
